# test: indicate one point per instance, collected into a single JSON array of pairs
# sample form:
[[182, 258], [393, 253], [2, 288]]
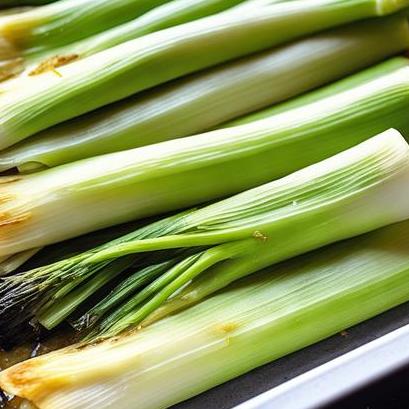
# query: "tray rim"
[[331, 381]]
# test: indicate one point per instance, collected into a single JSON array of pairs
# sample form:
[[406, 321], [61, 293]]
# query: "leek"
[[202, 101], [69, 248], [17, 3], [353, 192], [167, 15], [322, 93], [66, 21], [8, 264], [258, 320], [118, 187], [153, 59]]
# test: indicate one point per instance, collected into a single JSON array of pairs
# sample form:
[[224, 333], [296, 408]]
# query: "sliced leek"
[[258, 320], [29, 105], [356, 191], [202, 101], [70, 200]]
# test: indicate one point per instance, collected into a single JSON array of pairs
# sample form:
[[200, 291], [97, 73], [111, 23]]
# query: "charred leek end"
[[351, 193], [245, 326], [119, 72], [112, 189], [203, 101]]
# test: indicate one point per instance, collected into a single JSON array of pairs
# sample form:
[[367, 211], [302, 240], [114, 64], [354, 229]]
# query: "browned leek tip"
[[25, 379], [51, 64], [10, 219], [11, 68], [21, 380], [11, 62], [6, 197], [7, 50]]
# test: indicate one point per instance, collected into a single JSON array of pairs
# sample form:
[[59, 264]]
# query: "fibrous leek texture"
[[17, 3], [32, 104], [66, 21], [255, 321], [68, 248], [9, 264], [247, 232], [356, 191], [202, 101], [70, 200], [169, 14]]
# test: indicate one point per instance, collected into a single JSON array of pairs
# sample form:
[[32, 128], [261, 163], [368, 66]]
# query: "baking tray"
[[267, 377]]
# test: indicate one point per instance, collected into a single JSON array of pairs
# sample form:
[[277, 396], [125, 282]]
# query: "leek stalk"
[[18, 3], [69, 248], [253, 322], [143, 63], [202, 101], [165, 15], [228, 224], [123, 186], [322, 93], [66, 21], [340, 197], [169, 14], [8, 264]]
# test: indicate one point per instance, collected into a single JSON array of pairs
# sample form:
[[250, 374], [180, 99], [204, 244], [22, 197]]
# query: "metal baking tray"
[[291, 382]]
